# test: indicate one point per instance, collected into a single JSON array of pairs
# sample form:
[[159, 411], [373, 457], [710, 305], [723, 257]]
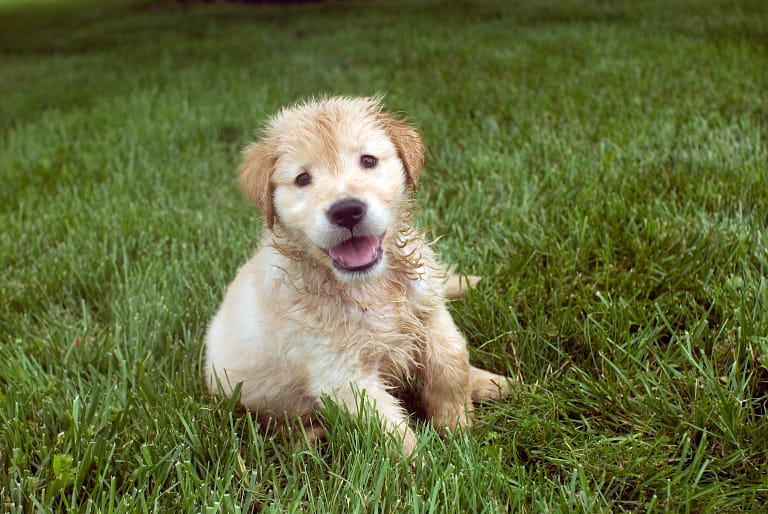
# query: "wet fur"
[[292, 328]]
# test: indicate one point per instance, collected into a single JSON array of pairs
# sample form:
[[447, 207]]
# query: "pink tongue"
[[355, 252]]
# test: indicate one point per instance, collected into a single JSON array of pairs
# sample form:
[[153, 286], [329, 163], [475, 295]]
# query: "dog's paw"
[[407, 440], [450, 417], [314, 434], [486, 385]]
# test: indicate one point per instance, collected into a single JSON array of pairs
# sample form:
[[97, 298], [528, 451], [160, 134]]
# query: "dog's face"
[[334, 175]]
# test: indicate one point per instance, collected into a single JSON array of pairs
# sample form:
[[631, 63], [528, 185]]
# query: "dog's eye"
[[303, 179], [368, 161]]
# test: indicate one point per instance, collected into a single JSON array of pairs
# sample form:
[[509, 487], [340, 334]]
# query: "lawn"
[[603, 165]]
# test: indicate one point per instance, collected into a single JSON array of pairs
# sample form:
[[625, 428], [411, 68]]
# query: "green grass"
[[602, 164]]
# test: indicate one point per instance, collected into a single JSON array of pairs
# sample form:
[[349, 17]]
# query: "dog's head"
[[334, 175]]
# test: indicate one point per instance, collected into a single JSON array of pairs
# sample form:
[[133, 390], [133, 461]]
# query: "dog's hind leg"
[[486, 385]]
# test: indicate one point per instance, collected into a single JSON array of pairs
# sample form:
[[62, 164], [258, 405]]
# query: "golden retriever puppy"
[[343, 295]]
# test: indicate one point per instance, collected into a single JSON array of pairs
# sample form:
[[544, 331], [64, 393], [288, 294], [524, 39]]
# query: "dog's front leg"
[[391, 414], [445, 374]]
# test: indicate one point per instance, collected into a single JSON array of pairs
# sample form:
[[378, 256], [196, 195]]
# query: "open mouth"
[[359, 253]]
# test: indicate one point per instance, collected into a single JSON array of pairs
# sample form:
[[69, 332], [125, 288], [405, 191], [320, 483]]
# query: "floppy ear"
[[256, 178], [410, 147]]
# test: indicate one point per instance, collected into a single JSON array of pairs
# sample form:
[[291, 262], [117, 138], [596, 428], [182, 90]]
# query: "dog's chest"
[[387, 319], [381, 333], [386, 337]]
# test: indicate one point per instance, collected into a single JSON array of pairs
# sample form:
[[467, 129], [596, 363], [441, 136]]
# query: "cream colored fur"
[[293, 326]]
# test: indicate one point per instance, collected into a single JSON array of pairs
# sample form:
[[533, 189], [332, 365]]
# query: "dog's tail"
[[457, 285]]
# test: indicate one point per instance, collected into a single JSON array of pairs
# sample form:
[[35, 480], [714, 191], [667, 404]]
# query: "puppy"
[[343, 295]]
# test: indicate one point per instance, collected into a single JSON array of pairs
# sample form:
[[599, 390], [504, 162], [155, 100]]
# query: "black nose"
[[347, 213]]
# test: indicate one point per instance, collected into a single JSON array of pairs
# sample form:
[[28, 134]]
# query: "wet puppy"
[[343, 295]]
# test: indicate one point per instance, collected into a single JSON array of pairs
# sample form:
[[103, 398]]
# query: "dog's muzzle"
[[356, 254]]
